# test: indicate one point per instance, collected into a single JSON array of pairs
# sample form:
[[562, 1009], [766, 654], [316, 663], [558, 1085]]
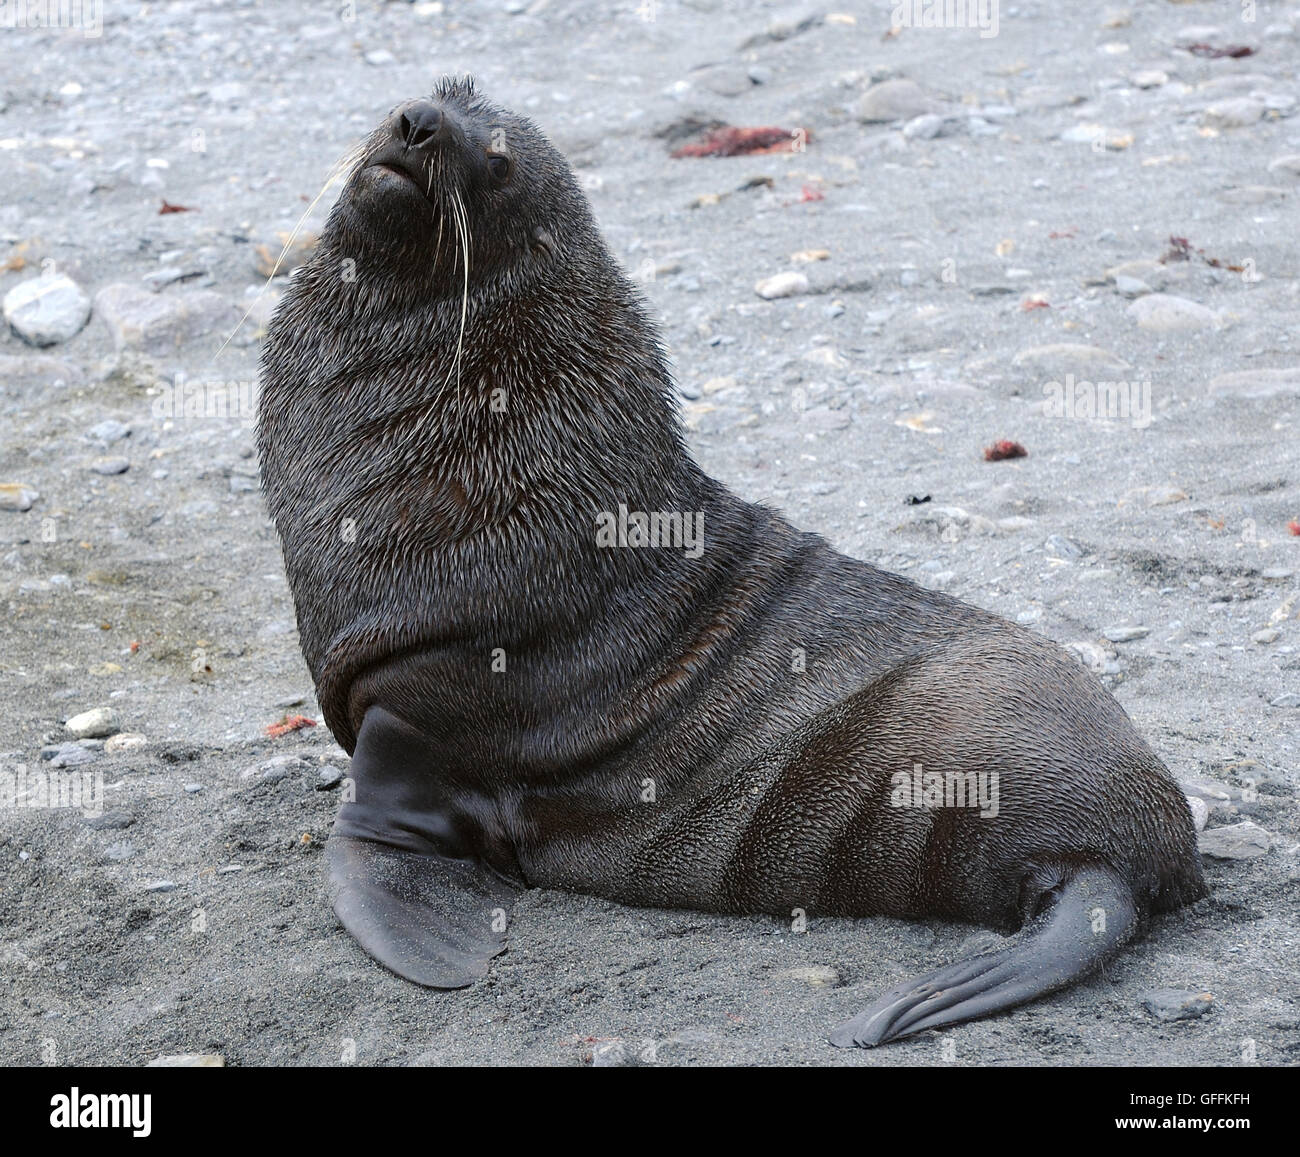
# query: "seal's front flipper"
[[1089, 919], [431, 919], [408, 875]]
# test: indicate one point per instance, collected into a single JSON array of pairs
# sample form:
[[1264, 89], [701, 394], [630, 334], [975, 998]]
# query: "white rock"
[[896, 100], [96, 723], [46, 310], [1288, 165], [124, 741], [17, 496], [161, 323], [1165, 313], [1235, 113], [1258, 383], [788, 284]]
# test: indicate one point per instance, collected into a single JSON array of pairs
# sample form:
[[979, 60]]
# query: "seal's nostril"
[[422, 123]]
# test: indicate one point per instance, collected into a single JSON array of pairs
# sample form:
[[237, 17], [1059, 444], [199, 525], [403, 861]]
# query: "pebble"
[[1286, 699], [160, 323], [930, 125], [788, 284], [1094, 657], [97, 723], [69, 755], [161, 886], [1266, 636], [124, 741], [1150, 273], [1276, 573], [1125, 634], [1165, 313], [1149, 78], [1131, 286], [1161, 495], [896, 100], [1200, 811], [109, 430], [17, 496], [1243, 841], [46, 310], [1059, 546], [38, 371], [328, 778], [188, 1061], [110, 466], [1235, 113], [1288, 165], [193, 788], [1271, 383], [1253, 194], [817, 975], [620, 1054], [1062, 358], [111, 821], [1176, 1004]]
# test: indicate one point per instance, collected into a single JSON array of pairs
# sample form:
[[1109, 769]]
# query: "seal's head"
[[451, 187]]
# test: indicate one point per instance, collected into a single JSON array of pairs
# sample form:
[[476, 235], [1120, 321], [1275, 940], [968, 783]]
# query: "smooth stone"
[[124, 741], [97, 723], [1170, 1004], [1272, 383], [1125, 634], [110, 466], [38, 371], [161, 886], [1286, 699], [109, 430], [1266, 636], [1235, 113], [45, 310], [817, 975], [1061, 358], [1131, 286], [787, 284], [896, 100], [161, 323], [188, 1061], [17, 496], [328, 778], [1150, 273], [71, 755], [1162, 495], [1200, 811], [1059, 546], [1288, 165], [1165, 313], [1243, 841]]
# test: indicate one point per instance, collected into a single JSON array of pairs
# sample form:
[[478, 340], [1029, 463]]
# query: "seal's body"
[[460, 393]]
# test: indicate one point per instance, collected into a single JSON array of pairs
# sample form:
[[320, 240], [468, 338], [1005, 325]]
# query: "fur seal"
[[472, 457]]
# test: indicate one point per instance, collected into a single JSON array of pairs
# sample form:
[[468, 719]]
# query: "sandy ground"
[[954, 253]]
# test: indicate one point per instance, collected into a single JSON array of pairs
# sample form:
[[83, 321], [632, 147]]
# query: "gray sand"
[[955, 250]]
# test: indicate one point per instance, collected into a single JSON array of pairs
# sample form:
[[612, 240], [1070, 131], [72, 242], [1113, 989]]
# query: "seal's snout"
[[422, 125]]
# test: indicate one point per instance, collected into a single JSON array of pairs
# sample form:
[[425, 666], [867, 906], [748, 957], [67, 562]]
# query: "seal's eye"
[[499, 166]]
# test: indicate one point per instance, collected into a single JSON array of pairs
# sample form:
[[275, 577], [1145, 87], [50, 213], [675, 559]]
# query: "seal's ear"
[[543, 244], [431, 917]]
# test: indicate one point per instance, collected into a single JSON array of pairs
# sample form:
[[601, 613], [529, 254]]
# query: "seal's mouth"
[[408, 170]]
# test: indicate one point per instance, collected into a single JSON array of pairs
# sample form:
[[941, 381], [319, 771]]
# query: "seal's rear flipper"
[[431, 919], [1088, 920]]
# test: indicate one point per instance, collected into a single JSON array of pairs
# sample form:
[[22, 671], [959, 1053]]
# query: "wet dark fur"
[[475, 530]]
